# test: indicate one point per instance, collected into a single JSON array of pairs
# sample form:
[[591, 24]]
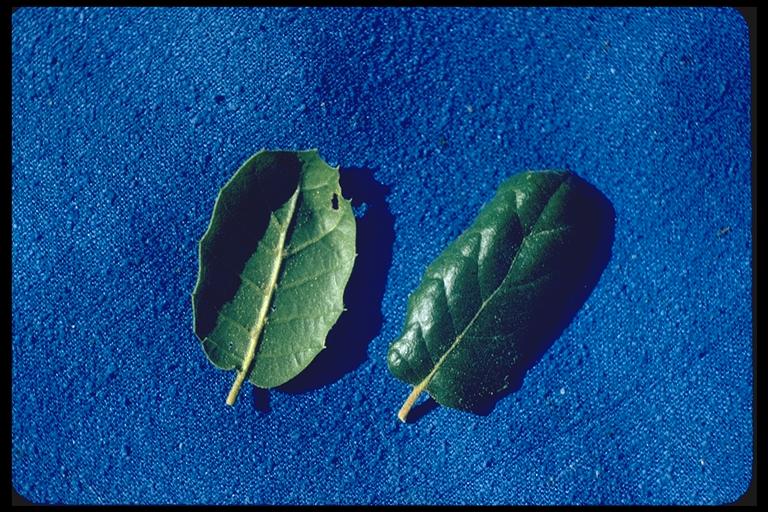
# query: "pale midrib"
[[261, 319], [421, 386]]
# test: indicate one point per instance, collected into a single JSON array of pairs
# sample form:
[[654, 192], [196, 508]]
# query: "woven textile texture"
[[126, 122]]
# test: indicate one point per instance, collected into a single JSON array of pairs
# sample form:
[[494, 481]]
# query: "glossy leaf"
[[274, 263], [501, 288]]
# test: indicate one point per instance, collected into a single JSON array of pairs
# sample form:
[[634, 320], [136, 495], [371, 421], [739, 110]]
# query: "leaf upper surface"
[[502, 287]]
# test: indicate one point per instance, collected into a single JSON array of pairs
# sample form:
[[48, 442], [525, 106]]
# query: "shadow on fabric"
[[592, 256], [347, 343]]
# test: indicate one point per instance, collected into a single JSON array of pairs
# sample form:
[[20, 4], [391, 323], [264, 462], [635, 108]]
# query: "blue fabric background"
[[126, 122]]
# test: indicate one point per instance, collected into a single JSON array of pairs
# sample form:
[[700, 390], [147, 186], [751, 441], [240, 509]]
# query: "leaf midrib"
[[270, 287]]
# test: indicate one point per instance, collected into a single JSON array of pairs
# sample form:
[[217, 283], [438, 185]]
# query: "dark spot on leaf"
[[335, 202]]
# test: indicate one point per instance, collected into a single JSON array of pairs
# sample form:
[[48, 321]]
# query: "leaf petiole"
[[406, 408], [236, 388]]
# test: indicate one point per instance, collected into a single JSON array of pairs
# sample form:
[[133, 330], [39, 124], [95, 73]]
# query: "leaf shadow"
[[347, 342], [601, 216], [260, 399]]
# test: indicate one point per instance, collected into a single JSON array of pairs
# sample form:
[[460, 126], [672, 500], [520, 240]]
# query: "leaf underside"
[[274, 263], [502, 287]]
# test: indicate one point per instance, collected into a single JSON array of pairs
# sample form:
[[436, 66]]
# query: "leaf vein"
[[438, 279], [310, 189], [276, 355], [479, 239], [550, 230], [273, 218], [280, 320], [476, 241], [234, 322], [249, 281], [426, 346], [294, 250], [544, 209], [300, 282]]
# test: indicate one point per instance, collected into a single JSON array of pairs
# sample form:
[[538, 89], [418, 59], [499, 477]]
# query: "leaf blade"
[[527, 252], [276, 201]]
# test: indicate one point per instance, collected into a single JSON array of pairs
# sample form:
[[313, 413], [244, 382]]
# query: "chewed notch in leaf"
[[503, 290], [274, 263]]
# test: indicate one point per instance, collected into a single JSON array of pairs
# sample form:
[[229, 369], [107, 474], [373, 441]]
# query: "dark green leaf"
[[274, 263], [501, 289]]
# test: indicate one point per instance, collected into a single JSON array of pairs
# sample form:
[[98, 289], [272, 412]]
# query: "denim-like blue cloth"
[[126, 122]]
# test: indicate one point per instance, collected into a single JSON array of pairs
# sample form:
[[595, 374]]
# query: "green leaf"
[[502, 289], [274, 263]]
